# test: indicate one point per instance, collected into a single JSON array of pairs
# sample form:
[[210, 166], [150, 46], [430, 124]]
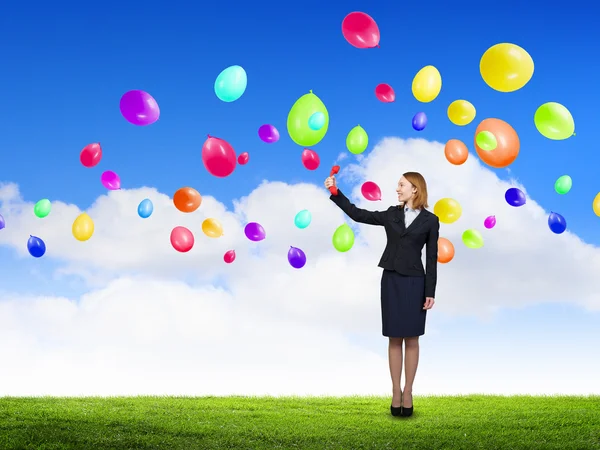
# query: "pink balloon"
[[182, 239], [91, 155], [370, 191], [218, 157], [310, 159], [243, 158], [110, 180], [489, 222], [229, 256], [385, 93], [360, 30]]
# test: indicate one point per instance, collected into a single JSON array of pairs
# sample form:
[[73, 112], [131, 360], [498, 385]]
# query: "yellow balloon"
[[83, 227], [357, 140], [448, 210], [298, 120], [427, 84], [461, 112], [596, 205], [506, 67], [212, 228]]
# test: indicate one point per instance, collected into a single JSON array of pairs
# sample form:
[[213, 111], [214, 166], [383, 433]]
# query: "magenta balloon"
[[296, 258], [268, 133], [111, 180], [489, 222], [139, 108], [255, 232], [370, 191]]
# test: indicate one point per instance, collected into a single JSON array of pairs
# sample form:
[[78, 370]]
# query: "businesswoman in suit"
[[407, 289]]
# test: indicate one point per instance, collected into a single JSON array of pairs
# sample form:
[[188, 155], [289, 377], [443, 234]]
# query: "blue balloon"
[[2, 222], [557, 223], [515, 197], [419, 122], [145, 208], [231, 83], [36, 246], [303, 219], [316, 121]]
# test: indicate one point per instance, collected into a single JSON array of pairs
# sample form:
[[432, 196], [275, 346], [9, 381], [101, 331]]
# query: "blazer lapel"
[[421, 219]]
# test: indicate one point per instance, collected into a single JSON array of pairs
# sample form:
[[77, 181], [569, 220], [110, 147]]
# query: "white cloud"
[[286, 330]]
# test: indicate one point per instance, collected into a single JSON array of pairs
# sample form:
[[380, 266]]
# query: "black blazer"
[[404, 245]]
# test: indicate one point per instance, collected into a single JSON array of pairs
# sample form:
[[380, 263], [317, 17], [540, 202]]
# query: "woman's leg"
[[395, 357], [411, 362]]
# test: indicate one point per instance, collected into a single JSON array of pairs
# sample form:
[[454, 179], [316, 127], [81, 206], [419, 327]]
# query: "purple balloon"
[[419, 122], [515, 197], [139, 108], [2, 222], [255, 232], [296, 258], [268, 133], [111, 180]]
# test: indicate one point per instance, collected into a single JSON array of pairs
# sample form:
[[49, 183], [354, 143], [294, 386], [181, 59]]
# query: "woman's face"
[[405, 190]]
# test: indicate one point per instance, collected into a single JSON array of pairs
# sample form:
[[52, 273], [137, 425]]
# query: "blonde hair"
[[417, 180]]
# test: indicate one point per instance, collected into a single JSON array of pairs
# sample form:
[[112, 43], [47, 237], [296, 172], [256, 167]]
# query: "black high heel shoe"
[[407, 412], [397, 410]]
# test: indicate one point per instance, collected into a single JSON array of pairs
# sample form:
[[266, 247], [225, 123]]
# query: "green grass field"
[[466, 422]]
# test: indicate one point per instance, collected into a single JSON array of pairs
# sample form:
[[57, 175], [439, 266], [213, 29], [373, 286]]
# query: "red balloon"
[[182, 239], [91, 155], [385, 93], [243, 158], [229, 256], [310, 159], [218, 157], [360, 30]]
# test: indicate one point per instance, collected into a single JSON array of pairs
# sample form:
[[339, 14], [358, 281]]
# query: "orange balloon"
[[456, 152], [445, 250], [187, 199], [508, 144]]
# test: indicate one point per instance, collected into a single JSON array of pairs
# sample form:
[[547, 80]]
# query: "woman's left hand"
[[429, 302]]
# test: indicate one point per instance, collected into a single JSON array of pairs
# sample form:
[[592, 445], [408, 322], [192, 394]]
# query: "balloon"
[[90, 155], [554, 121], [445, 250], [370, 191], [456, 152], [557, 223], [268, 133], [42, 208], [385, 93], [298, 117], [255, 232], [507, 143], [448, 210], [182, 239], [187, 199], [145, 208], [303, 219], [596, 204], [472, 239], [296, 258], [212, 228], [36, 246], [489, 222], [2, 222], [427, 84], [83, 227], [139, 108], [110, 180], [343, 238], [506, 67], [316, 121], [461, 112], [515, 197], [419, 121], [360, 30], [231, 83], [563, 184], [229, 256], [243, 158], [357, 140], [486, 141], [218, 157], [310, 159]]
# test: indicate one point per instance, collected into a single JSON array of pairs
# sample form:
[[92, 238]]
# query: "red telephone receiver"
[[334, 171]]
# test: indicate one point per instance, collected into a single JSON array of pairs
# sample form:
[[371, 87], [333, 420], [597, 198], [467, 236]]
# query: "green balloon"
[[563, 184], [486, 141], [472, 239], [343, 238], [554, 121], [303, 218], [42, 208], [298, 120], [357, 140]]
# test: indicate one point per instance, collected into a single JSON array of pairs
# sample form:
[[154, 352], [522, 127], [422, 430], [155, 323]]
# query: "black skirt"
[[402, 301]]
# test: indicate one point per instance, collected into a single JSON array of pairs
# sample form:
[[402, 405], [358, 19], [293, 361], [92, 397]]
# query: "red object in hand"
[[334, 171]]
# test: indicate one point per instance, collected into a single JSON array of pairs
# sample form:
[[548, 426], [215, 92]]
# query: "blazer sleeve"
[[431, 258], [358, 214]]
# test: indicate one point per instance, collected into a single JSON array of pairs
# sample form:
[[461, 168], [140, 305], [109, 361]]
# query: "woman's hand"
[[330, 181], [429, 302]]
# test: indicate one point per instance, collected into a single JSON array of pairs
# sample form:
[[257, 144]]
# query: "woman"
[[407, 289]]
